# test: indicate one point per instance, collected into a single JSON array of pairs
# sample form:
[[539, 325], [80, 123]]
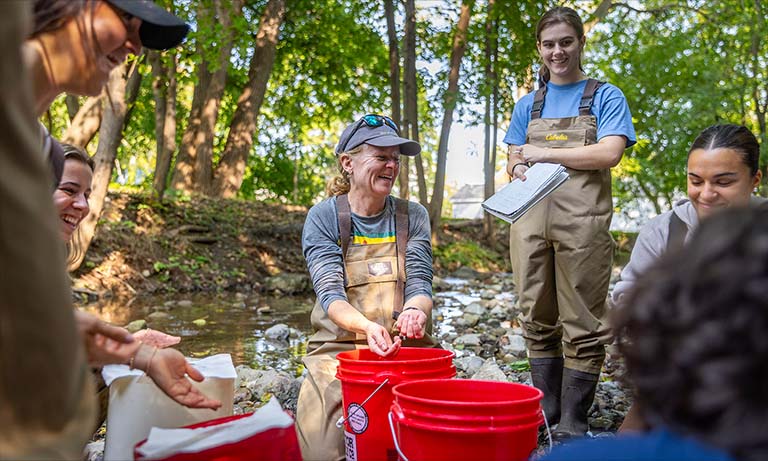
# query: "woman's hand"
[[379, 340], [516, 166], [169, 370], [104, 343], [534, 154], [412, 323]]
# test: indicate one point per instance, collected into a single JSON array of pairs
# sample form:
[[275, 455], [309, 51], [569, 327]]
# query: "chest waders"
[[374, 279], [561, 254]]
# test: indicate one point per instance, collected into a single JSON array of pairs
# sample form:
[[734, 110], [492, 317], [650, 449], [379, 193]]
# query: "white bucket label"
[[358, 418], [350, 446]]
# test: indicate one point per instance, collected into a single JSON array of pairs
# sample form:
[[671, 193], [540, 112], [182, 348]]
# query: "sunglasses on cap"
[[371, 121]]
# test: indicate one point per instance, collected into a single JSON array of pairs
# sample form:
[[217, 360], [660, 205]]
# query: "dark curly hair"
[[695, 335]]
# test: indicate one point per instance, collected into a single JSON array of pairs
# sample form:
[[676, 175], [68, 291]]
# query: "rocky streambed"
[[474, 316]]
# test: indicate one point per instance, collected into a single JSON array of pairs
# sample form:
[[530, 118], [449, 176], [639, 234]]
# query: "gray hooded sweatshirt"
[[652, 243]]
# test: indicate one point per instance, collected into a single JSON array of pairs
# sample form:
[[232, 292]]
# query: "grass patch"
[[456, 254]]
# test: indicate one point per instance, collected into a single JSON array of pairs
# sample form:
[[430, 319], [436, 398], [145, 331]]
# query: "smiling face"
[[374, 170], [717, 179], [106, 36], [560, 49], [71, 196]]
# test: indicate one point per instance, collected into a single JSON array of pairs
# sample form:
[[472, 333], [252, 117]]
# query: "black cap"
[[160, 30]]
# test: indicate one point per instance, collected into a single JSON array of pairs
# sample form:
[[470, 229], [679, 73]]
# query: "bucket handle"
[[343, 420], [394, 437], [549, 432]]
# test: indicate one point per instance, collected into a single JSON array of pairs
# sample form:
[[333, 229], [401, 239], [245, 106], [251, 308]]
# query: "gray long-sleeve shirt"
[[320, 244]]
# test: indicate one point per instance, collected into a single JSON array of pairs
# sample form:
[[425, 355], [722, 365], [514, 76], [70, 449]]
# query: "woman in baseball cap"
[[75, 44], [369, 256]]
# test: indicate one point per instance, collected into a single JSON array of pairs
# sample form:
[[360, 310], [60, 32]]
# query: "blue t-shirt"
[[658, 445], [609, 108]]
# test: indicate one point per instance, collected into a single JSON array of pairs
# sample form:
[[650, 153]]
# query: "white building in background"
[[466, 202]]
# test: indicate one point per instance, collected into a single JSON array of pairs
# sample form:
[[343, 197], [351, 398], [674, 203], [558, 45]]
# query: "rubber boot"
[[547, 376], [578, 392]]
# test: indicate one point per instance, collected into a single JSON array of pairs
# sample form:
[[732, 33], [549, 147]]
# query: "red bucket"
[[275, 444], [366, 388], [441, 419]]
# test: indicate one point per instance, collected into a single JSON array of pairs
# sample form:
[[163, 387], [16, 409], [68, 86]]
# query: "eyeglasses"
[[371, 121]]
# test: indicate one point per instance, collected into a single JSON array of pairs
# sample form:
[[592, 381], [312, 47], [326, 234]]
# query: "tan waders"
[[375, 278], [561, 253]]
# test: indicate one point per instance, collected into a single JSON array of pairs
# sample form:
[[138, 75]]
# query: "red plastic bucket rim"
[[400, 392], [439, 355], [467, 429]]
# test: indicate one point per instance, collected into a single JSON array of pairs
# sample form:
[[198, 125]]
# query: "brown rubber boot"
[[578, 393], [547, 375]]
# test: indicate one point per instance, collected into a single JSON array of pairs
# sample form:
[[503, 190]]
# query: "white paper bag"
[[136, 404]]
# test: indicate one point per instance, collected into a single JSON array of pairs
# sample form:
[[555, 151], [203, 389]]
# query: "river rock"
[[469, 365], [158, 316], [136, 325], [94, 451], [467, 273], [438, 284], [474, 308], [470, 320], [287, 283], [279, 332], [184, 303], [242, 394], [514, 345], [490, 371], [261, 383], [500, 312], [470, 339]]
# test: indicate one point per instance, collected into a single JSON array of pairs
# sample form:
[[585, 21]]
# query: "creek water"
[[235, 323]]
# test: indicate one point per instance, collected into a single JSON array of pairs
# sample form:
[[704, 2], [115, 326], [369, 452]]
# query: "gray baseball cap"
[[159, 30], [376, 130]]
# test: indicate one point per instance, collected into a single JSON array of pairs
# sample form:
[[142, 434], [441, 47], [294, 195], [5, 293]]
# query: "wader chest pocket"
[[558, 138], [373, 270]]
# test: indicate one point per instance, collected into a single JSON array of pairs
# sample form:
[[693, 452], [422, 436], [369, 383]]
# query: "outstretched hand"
[[104, 343], [169, 370]]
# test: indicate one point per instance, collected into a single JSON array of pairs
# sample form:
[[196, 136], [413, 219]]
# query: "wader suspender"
[[401, 236], [587, 98]]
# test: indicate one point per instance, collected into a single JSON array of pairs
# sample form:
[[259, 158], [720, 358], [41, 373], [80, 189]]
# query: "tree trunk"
[[110, 136], [411, 97], [164, 91], [193, 171], [86, 122], [394, 90], [449, 104], [73, 105], [231, 168], [489, 151]]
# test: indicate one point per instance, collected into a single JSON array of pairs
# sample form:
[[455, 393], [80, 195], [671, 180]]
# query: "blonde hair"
[[339, 184]]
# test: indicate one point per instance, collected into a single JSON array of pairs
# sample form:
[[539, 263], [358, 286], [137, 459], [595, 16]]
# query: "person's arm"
[[605, 154], [650, 245], [321, 250]]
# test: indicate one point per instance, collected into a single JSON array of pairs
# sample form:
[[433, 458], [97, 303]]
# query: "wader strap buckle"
[[588, 97]]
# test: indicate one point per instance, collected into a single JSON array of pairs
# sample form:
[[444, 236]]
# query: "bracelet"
[[149, 364], [411, 308], [133, 357], [517, 165]]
